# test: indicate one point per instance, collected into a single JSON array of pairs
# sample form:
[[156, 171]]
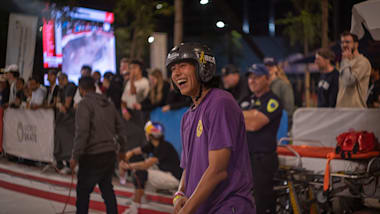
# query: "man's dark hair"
[[125, 60], [62, 75], [87, 83], [108, 75], [138, 62], [87, 68], [53, 71], [347, 33], [327, 54]]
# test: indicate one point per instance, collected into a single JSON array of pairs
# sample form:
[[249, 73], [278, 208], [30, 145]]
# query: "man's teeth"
[[180, 82]]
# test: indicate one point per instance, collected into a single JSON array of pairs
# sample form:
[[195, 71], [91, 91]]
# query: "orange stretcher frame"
[[305, 151], [322, 152]]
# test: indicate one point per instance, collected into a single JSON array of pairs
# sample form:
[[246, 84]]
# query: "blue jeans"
[[96, 169]]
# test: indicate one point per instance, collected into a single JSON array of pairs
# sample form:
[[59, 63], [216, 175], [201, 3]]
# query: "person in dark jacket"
[[328, 84], [97, 125]]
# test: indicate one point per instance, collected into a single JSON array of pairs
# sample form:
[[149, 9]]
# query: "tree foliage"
[[134, 23], [305, 24]]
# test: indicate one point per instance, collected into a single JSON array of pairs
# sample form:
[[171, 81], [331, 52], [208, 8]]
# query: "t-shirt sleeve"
[[147, 148], [272, 108], [223, 120]]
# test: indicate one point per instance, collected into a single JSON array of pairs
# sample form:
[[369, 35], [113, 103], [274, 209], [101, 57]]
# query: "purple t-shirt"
[[215, 124]]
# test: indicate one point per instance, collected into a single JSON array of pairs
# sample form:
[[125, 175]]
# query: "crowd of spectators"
[[133, 94], [136, 91]]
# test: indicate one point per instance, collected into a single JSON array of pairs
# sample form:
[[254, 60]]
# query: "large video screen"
[[86, 38]]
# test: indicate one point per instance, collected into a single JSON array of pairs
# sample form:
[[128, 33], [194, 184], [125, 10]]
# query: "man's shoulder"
[[363, 60], [270, 95], [222, 101], [271, 99], [330, 75], [218, 95]]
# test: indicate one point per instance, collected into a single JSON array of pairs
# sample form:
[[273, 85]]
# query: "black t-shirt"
[[328, 87], [167, 157], [241, 90], [265, 139], [67, 91]]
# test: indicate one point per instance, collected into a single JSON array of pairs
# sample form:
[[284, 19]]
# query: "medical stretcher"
[[312, 177]]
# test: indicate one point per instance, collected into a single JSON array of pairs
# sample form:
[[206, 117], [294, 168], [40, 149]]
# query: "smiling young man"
[[217, 176]]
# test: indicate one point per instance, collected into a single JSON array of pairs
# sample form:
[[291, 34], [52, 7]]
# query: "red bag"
[[353, 142]]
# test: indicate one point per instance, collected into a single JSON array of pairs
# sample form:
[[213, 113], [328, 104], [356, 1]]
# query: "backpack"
[[354, 142]]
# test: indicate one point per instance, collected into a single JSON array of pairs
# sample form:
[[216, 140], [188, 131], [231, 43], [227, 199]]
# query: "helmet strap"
[[200, 93]]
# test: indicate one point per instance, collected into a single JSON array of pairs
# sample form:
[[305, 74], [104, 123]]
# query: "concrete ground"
[[12, 202], [28, 189]]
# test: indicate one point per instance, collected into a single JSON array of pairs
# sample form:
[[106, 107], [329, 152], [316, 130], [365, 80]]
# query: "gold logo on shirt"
[[258, 103], [199, 128]]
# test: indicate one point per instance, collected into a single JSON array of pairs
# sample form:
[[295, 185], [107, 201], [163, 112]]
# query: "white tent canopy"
[[368, 14]]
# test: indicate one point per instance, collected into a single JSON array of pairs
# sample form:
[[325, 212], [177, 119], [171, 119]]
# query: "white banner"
[[321, 126], [29, 134], [21, 43]]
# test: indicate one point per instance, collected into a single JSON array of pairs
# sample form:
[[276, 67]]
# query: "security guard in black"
[[262, 145], [265, 139]]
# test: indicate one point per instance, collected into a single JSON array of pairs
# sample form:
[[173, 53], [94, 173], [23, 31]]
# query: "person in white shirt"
[[136, 90], [38, 94]]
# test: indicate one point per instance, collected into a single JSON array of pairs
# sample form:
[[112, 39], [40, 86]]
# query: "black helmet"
[[196, 53]]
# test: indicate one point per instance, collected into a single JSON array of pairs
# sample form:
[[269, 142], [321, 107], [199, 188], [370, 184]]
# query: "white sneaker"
[[133, 209], [66, 170]]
